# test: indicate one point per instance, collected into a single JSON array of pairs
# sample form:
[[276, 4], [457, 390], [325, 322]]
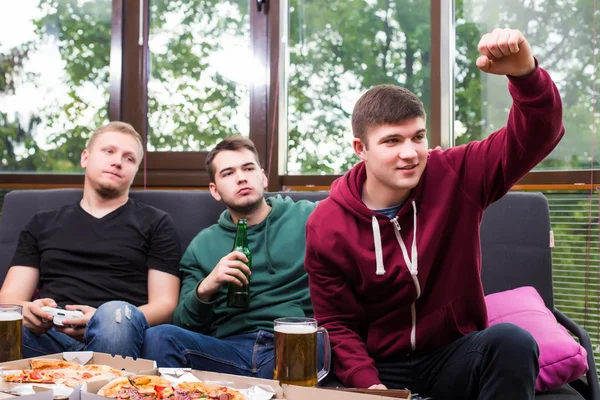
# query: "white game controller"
[[59, 315]]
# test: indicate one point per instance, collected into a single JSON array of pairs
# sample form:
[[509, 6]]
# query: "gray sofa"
[[514, 238]]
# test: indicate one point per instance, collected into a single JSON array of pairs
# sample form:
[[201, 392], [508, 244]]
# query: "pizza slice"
[[142, 387], [17, 377], [66, 376], [100, 369], [29, 376], [48, 363], [87, 372], [120, 388], [153, 386], [192, 390]]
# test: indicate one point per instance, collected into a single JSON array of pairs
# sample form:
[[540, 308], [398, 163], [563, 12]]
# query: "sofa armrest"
[[584, 340]]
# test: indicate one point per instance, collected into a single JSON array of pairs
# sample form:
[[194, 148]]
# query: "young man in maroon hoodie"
[[393, 255]]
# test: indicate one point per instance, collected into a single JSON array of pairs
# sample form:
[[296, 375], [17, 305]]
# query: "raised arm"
[[490, 167]]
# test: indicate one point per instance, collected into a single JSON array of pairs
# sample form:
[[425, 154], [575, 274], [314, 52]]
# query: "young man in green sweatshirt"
[[209, 335]]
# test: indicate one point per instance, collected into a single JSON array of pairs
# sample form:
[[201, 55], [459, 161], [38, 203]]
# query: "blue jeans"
[[105, 333], [249, 354]]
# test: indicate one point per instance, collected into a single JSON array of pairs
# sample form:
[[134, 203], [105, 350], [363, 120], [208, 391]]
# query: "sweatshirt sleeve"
[[490, 167], [337, 309], [191, 312]]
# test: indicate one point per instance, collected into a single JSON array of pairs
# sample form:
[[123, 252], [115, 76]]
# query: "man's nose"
[[116, 160], [408, 151], [240, 176]]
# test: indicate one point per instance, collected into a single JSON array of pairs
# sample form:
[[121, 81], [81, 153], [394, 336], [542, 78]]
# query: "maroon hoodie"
[[385, 288]]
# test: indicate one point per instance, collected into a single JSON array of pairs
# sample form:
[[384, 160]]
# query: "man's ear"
[[213, 191], [359, 148], [84, 158]]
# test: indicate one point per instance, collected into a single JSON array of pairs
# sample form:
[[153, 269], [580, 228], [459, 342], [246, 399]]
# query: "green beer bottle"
[[239, 296]]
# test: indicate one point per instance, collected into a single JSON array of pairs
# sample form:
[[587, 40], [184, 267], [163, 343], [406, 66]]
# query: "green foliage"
[[192, 105], [563, 43], [81, 33], [339, 49]]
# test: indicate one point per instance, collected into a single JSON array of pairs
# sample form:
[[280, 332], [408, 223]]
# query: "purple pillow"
[[562, 359]]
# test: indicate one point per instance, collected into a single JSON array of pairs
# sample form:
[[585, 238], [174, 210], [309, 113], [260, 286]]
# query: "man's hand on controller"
[[75, 327], [35, 319]]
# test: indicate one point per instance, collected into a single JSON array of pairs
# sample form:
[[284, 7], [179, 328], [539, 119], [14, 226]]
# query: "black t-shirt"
[[88, 260]]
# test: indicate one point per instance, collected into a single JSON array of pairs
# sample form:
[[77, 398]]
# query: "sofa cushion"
[[561, 359]]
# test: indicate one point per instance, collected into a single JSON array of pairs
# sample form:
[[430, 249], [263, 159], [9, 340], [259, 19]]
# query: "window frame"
[[187, 168], [442, 106], [128, 102]]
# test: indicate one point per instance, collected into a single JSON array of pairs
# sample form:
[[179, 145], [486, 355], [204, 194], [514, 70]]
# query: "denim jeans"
[[116, 328], [249, 354]]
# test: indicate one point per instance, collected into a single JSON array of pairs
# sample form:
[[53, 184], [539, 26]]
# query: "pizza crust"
[[61, 372], [47, 363], [112, 388]]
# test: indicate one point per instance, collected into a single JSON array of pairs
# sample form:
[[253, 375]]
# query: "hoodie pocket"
[[444, 326], [461, 322]]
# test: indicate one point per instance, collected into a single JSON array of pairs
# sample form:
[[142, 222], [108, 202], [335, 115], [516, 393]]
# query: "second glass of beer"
[[296, 352], [11, 324]]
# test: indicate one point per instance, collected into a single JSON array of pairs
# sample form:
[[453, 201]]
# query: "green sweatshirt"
[[278, 286]]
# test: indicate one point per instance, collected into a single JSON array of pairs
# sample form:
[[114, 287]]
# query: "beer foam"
[[10, 316], [295, 329]]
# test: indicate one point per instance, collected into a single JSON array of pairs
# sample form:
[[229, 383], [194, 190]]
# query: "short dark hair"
[[232, 143], [384, 105]]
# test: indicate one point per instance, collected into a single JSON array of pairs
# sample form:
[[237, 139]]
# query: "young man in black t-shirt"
[[112, 258]]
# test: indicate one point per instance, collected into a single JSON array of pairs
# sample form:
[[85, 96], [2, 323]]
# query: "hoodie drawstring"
[[411, 264], [378, 253], [412, 261]]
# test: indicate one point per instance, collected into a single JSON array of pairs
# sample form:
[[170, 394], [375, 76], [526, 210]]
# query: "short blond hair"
[[116, 126]]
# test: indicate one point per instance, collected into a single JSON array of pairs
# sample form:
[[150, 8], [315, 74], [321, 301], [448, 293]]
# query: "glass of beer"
[[11, 323], [296, 351]]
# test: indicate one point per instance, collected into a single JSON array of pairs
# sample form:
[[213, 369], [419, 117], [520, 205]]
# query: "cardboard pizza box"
[[42, 395], [90, 389], [288, 392], [38, 393], [138, 366], [292, 392], [240, 381], [89, 357]]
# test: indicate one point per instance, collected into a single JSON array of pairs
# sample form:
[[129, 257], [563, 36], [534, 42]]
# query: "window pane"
[[574, 217], [200, 70], [561, 36], [338, 50], [54, 80]]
